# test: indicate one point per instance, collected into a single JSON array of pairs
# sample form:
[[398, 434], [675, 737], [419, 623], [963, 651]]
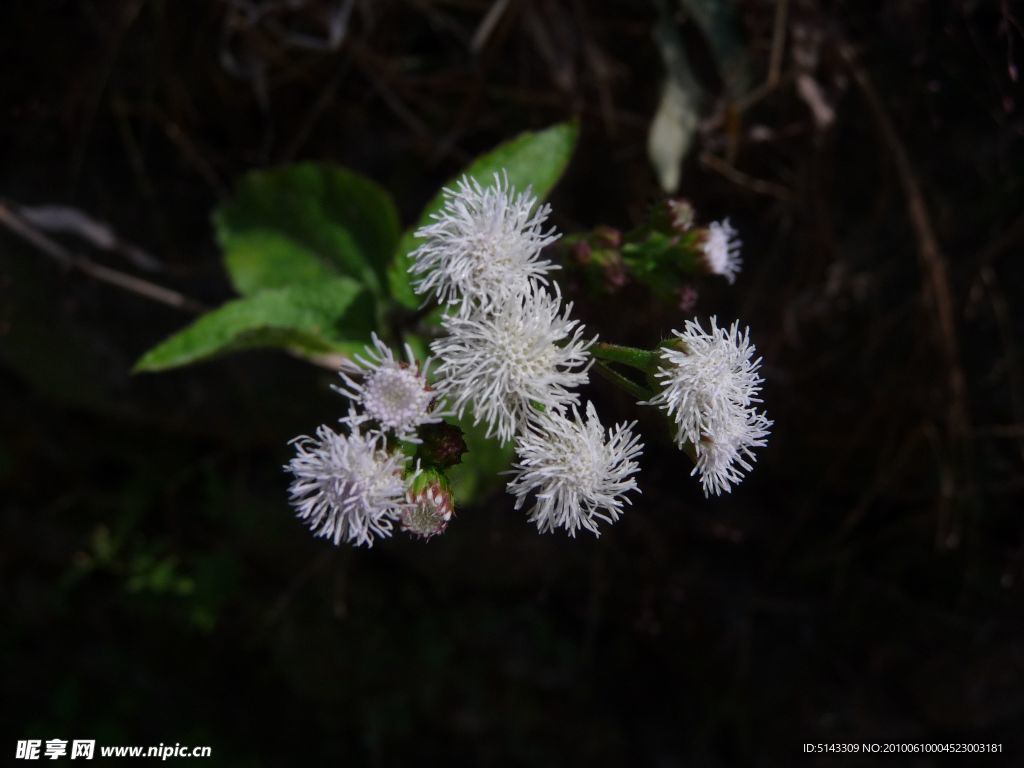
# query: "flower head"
[[579, 473], [723, 457], [347, 487], [680, 213], [505, 363], [721, 250], [711, 387], [391, 392], [484, 245]]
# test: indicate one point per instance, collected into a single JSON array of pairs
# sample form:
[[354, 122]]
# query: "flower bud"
[[430, 505], [442, 444]]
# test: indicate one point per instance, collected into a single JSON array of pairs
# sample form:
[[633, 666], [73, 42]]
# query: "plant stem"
[[641, 359], [622, 382]]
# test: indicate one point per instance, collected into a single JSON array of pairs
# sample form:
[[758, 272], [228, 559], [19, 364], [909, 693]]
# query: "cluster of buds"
[[663, 253]]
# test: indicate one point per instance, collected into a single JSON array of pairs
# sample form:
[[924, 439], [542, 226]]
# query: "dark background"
[[863, 584]]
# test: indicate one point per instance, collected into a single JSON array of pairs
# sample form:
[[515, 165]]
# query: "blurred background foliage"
[[864, 583]]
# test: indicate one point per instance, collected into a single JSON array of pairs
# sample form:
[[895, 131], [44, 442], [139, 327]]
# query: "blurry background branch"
[[20, 225]]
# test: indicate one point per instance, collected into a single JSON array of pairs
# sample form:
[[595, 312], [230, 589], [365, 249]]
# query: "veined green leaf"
[[329, 316], [303, 223]]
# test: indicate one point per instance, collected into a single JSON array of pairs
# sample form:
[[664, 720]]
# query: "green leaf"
[[536, 159], [303, 223], [325, 317]]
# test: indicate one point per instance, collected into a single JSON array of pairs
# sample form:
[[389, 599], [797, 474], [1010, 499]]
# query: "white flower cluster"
[[513, 355], [353, 485], [711, 388]]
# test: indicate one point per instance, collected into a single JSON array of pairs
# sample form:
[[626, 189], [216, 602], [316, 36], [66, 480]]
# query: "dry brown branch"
[[937, 287], [778, 42], [488, 25], [932, 261], [70, 260], [741, 179]]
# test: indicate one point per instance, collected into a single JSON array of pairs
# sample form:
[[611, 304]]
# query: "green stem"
[[622, 382], [643, 360]]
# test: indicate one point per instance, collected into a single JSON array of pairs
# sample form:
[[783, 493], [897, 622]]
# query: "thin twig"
[[129, 15], [488, 25], [937, 285], [738, 177], [315, 112], [599, 67], [191, 154], [69, 260], [933, 262], [372, 68], [778, 41], [63, 218]]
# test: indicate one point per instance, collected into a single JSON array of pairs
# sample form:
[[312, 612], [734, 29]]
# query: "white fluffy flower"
[[722, 250], [347, 487], [484, 245], [390, 392], [711, 387], [580, 474], [504, 363], [723, 457]]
